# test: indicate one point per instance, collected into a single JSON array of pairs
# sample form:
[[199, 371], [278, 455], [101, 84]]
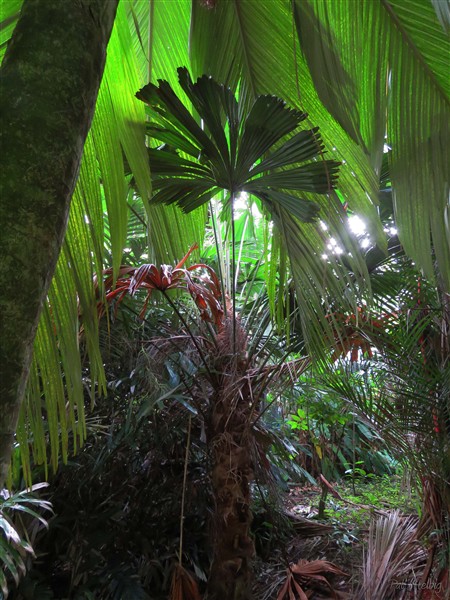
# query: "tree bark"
[[49, 82], [231, 573], [232, 449]]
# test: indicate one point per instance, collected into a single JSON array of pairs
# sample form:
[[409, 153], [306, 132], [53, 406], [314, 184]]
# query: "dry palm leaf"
[[184, 586], [393, 554], [305, 574], [307, 528]]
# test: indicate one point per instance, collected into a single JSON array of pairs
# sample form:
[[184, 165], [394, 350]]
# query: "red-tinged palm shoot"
[[199, 280]]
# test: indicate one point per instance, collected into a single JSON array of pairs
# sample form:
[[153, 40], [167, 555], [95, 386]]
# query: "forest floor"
[[349, 509]]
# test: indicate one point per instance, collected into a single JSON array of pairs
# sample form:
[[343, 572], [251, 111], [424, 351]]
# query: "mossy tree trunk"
[[49, 83]]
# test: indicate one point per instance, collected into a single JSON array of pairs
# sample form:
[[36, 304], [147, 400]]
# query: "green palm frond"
[[381, 68], [255, 148], [9, 13], [54, 408], [235, 151], [159, 35], [97, 232], [256, 49]]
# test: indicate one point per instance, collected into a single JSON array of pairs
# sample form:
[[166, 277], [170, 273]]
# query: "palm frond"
[[234, 43], [393, 553], [10, 11], [184, 586], [380, 68], [57, 370], [307, 575], [233, 153], [237, 141], [255, 46], [160, 33]]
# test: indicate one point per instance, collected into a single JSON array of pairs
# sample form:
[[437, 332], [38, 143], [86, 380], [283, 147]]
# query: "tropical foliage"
[[224, 377], [322, 74], [251, 137], [20, 524]]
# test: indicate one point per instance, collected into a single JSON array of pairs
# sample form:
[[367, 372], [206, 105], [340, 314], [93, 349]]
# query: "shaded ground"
[[106, 544], [348, 523]]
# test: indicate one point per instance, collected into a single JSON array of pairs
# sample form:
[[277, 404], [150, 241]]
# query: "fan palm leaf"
[[393, 553], [226, 154], [254, 148]]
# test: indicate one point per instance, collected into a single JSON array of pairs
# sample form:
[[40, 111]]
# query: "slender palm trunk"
[[50, 78]]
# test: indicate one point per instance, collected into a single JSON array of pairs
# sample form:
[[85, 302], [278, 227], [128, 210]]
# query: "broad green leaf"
[[160, 33], [382, 68], [9, 13]]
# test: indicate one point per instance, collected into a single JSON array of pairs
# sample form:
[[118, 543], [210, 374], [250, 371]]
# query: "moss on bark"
[[49, 82]]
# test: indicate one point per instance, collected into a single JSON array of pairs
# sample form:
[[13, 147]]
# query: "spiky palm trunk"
[[231, 446]]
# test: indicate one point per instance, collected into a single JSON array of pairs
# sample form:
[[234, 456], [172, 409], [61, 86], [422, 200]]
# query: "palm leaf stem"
[[137, 215], [233, 270], [255, 347], [250, 287], [219, 256]]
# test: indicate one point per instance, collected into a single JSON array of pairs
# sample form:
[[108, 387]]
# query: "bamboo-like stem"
[[233, 273], [183, 495], [219, 256]]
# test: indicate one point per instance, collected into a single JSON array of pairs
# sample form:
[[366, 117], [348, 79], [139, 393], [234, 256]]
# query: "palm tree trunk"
[[231, 570], [232, 450], [50, 78]]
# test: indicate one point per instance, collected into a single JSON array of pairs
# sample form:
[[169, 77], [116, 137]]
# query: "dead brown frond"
[[433, 507], [184, 586], [307, 528], [394, 556], [305, 576]]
